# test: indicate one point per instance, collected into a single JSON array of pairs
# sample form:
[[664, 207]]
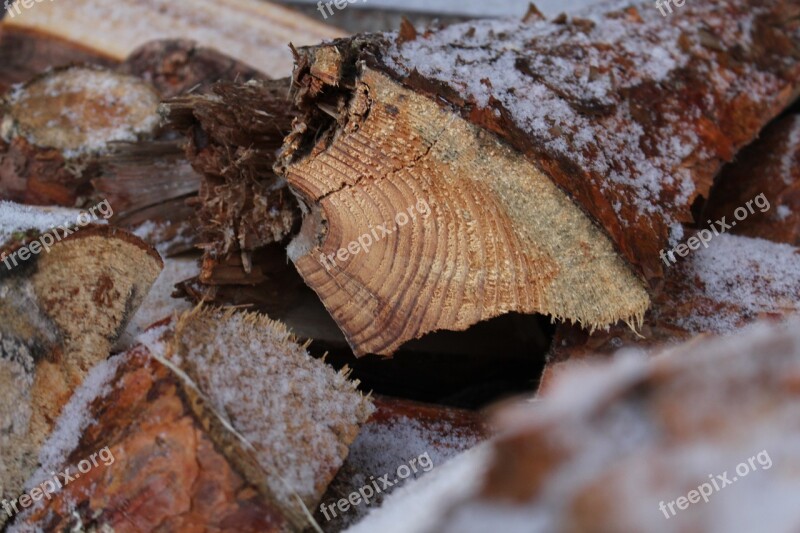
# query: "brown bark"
[[222, 419], [770, 166], [61, 313], [558, 159]]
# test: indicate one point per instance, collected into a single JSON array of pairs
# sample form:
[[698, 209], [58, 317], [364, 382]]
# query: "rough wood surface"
[[61, 313], [592, 122]]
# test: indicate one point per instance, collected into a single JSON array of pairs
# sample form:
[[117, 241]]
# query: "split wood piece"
[[150, 184], [589, 120], [298, 415], [167, 473], [251, 31], [52, 128], [233, 134], [420, 436], [613, 442], [60, 313], [717, 290], [769, 167], [27, 53]]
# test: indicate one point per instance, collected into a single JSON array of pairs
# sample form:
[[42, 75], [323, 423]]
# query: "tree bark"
[[770, 166], [557, 159]]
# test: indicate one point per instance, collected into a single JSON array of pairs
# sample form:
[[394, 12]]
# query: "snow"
[[159, 304], [783, 212], [382, 446], [415, 507], [791, 153], [74, 420], [20, 218], [564, 93], [298, 413], [749, 275]]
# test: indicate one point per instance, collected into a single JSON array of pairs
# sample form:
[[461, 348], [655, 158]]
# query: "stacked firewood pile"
[[248, 285]]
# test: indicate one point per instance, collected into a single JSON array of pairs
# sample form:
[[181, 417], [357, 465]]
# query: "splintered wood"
[[611, 126]]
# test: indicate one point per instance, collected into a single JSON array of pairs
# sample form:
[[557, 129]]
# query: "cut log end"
[[420, 221], [103, 106]]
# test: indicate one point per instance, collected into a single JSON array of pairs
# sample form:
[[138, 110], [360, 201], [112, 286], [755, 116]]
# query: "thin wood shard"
[[605, 145]]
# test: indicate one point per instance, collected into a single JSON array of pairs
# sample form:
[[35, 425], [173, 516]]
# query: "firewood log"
[[765, 176], [54, 127], [251, 31], [557, 159], [221, 418], [60, 313], [26, 54]]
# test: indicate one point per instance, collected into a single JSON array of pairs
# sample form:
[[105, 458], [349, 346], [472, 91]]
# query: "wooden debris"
[[233, 133], [61, 312], [553, 177]]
